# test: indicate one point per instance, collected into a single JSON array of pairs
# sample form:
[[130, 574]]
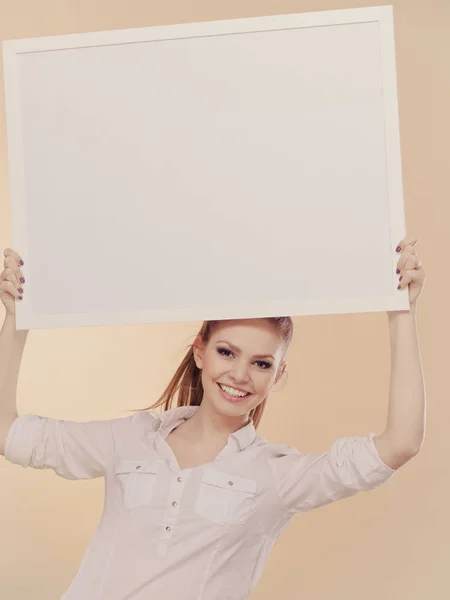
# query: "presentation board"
[[215, 170]]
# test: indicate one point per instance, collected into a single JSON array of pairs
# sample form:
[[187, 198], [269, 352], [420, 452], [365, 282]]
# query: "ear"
[[281, 370], [198, 348]]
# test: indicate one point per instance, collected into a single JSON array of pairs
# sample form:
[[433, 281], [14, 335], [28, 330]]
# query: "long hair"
[[186, 383]]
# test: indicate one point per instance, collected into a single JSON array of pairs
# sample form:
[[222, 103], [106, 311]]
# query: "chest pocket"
[[137, 480], [225, 499]]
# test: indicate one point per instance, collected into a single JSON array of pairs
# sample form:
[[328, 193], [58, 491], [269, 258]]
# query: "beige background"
[[390, 543]]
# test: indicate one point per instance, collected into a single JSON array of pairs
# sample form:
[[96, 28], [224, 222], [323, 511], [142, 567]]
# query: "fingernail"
[[401, 278], [20, 297], [22, 280], [398, 287], [21, 290], [398, 271], [398, 249], [21, 263]]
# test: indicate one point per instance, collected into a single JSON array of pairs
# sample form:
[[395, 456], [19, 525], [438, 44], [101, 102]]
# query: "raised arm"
[[403, 435], [12, 342]]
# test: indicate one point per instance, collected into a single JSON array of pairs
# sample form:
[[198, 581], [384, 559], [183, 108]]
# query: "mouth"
[[233, 394]]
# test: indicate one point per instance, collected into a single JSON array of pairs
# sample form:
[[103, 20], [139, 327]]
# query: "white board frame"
[[15, 50]]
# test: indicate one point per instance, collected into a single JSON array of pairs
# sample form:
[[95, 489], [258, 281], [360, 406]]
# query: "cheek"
[[213, 367], [264, 380]]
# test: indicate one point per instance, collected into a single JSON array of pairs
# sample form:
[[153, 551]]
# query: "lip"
[[232, 398]]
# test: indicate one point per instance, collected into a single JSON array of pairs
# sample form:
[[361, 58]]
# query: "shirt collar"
[[169, 419]]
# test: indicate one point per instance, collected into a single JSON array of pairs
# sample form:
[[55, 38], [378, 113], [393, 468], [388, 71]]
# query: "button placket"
[[171, 513]]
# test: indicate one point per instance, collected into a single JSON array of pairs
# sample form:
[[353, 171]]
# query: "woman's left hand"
[[410, 269]]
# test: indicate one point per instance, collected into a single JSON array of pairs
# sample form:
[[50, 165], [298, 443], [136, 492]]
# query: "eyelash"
[[266, 366]]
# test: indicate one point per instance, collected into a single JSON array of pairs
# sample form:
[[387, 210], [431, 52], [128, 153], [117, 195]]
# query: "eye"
[[224, 352], [263, 364]]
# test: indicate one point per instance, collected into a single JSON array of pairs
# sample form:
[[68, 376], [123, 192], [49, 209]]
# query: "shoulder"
[[144, 419], [276, 450]]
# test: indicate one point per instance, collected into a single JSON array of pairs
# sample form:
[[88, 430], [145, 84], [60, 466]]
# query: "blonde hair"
[[186, 383]]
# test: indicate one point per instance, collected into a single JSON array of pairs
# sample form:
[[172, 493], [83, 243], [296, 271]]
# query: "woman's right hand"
[[11, 288]]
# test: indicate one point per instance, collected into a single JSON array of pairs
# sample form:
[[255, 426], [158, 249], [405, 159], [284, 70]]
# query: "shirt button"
[[174, 504], [230, 483], [168, 528], [138, 467], [179, 479]]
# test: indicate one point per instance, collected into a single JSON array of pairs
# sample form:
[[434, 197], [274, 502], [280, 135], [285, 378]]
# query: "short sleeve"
[[74, 450], [308, 481]]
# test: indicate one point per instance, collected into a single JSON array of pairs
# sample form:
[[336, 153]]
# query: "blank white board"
[[215, 170]]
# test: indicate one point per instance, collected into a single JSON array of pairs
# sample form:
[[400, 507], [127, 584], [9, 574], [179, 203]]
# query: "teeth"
[[232, 392]]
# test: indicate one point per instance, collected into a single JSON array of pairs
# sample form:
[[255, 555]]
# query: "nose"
[[239, 372]]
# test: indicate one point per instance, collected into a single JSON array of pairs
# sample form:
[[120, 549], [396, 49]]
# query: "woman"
[[194, 497]]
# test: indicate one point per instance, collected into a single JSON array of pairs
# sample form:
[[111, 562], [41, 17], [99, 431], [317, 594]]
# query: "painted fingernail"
[[21, 290], [21, 263], [401, 278], [398, 249], [398, 287], [22, 280], [398, 271], [20, 297]]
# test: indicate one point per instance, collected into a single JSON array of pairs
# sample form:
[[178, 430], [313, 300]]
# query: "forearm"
[[12, 344], [407, 405]]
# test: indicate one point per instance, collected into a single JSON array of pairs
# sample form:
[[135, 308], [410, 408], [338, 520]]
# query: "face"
[[240, 364]]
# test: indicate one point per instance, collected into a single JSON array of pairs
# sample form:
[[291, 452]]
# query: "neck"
[[207, 424]]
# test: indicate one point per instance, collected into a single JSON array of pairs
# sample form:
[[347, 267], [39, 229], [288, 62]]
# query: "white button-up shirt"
[[202, 533]]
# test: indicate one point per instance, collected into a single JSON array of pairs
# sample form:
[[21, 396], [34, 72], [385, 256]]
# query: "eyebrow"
[[237, 350]]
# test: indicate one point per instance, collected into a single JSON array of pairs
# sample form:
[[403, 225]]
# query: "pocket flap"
[[230, 482], [138, 466]]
